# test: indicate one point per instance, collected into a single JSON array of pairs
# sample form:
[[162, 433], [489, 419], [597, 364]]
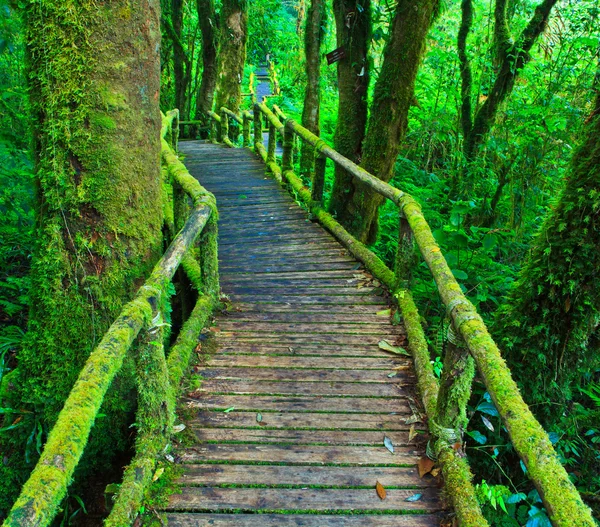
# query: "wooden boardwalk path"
[[295, 404]]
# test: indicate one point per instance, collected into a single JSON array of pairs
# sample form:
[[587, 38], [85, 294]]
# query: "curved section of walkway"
[[298, 399]]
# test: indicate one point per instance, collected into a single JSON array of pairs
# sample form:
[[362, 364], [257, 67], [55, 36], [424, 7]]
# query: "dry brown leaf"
[[412, 433], [380, 490], [425, 466], [435, 472]]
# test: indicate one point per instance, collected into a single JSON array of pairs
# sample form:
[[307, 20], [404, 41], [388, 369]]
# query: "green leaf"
[[478, 436], [459, 275], [385, 345], [230, 409]]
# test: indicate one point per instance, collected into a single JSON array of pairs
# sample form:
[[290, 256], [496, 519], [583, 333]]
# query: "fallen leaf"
[[388, 444], [384, 312], [414, 497], [380, 490], [392, 375], [259, 418], [425, 466], [230, 409], [158, 473], [412, 419], [178, 428], [385, 345], [435, 472], [487, 423], [169, 458], [412, 433], [291, 349]]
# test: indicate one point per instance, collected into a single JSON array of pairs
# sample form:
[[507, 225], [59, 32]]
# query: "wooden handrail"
[[47, 485]]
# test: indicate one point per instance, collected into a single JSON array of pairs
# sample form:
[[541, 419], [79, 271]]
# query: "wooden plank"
[[318, 363], [272, 327], [279, 475], [315, 350], [303, 420], [312, 338], [305, 318], [301, 520], [259, 290], [254, 307], [402, 377], [347, 389], [300, 437], [210, 498], [311, 300], [301, 454], [290, 403]]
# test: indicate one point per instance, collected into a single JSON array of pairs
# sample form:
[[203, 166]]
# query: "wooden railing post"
[[246, 129], [405, 254], [224, 125], [272, 143], [318, 179], [175, 130], [287, 160], [455, 391], [258, 138], [209, 257]]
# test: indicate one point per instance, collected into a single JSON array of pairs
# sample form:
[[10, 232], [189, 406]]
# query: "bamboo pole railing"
[[474, 344]]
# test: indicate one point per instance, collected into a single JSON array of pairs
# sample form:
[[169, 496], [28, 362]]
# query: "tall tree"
[[512, 55], [182, 64], [94, 72], [313, 37], [208, 26], [232, 53], [549, 323], [388, 120], [353, 34]]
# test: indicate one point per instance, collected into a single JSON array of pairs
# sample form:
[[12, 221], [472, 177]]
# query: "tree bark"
[[313, 36], [353, 33], [208, 26], [232, 54], [94, 72], [182, 66], [551, 316], [512, 57], [388, 121]]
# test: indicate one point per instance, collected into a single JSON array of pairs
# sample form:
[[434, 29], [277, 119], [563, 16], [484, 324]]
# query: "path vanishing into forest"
[[297, 400]]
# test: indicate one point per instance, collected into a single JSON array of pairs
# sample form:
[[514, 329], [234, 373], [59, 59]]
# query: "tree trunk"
[[179, 58], [232, 54], [392, 98], [353, 33], [313, 36], [208, 26], [552, 313], [94, 71], [513, 57]]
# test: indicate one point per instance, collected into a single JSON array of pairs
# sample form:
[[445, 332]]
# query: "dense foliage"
[[486, 229]]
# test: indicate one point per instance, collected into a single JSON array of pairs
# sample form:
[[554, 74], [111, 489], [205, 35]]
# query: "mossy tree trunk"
[[94, 72], [313, 36], [232, 54], [182, 65], [353, 33], [388, 120], [207, 18], [549, 323], [511, 56]]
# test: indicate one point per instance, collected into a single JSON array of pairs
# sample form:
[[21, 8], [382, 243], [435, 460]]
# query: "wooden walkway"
[[296, 402]]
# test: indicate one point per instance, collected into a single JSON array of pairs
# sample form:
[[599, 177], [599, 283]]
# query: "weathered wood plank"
[[210, 498], [303, 420], [354, 389], [335, 363], [404, 377], [283, 327], [299, 403], [300, 437], [301, 454], [315, 475], [301, 520]]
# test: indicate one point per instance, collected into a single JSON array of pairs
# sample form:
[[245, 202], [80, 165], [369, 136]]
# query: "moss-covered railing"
[[158, 374], [470, 346]]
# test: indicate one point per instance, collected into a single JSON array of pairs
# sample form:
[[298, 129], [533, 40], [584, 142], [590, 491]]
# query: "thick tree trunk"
[[94, 71], [179, 58], [313, 36], [353, 33], [208, 26], [392, 98], [551, 316], [232, 54]]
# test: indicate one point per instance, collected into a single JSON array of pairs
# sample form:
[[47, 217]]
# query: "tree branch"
[[502, 37]]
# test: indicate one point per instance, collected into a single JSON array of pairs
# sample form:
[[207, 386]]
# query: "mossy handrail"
[[159, 374], [474, 344]]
